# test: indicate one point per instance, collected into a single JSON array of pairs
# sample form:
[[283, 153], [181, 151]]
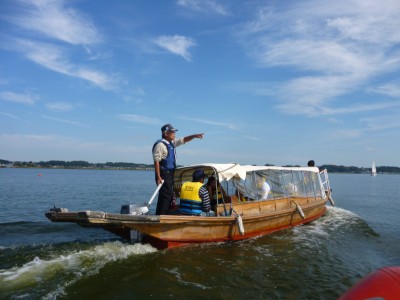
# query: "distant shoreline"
[[152, 169], [79, 164], [78, 168], [59, 164]]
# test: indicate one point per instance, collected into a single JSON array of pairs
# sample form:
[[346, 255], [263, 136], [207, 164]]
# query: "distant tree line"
[[80, 164], [76, 164], [344, 169], [351, 169], [356, 170]]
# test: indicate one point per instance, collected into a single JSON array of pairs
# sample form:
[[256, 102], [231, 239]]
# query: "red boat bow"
[[384, 283]]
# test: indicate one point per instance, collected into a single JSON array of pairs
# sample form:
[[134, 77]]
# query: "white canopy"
[[228, 171]]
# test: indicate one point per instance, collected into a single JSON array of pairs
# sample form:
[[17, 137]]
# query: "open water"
[[321, 260]]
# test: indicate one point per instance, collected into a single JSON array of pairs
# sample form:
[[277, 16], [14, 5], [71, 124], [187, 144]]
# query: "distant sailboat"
[[373, 169]]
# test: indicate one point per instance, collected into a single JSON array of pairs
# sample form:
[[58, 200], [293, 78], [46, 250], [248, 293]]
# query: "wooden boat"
[[295, 196]]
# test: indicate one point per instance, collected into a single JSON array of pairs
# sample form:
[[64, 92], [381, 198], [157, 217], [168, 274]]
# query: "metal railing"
[[324, 180]]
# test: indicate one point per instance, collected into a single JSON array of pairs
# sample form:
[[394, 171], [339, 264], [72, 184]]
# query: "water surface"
[[44, 260]]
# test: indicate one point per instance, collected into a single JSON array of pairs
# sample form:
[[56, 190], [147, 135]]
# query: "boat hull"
[[383, 283], [167, 231]]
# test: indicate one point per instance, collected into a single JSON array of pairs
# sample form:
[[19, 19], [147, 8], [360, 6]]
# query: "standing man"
[[165, 163]]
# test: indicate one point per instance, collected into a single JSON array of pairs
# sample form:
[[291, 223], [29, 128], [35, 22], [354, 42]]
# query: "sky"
[[268, 82]]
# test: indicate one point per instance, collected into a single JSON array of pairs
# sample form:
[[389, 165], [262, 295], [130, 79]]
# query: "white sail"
[[373, 169]]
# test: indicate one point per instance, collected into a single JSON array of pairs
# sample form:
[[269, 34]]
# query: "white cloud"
[[176, 44], [362, 107], [13, 117], [309, 95], [18, 97], [70, 122], [391, 89], [55, 59], [335, 121], [329, 51], [56, 20], [96, 77], [252, 138], [348, 133], [204, 6], [382, 122], [214, 123], [309, 55], [59, 106], [138, 119], [53, 19], [368, 21], [312, 96]]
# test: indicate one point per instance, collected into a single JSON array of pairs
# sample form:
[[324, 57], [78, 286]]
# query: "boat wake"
[[336, 220], [43, 275], [323, 239], [337, 223], [179, 278]]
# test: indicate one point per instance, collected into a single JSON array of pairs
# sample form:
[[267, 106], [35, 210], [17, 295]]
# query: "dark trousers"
[[166, 192]]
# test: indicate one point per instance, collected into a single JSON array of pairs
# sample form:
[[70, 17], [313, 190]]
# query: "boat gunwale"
[[90, 216]]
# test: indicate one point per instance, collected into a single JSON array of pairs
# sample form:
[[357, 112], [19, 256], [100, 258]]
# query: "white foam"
[[6, 247], [179, 278], [336, 217], [323, 227], [78, 264]]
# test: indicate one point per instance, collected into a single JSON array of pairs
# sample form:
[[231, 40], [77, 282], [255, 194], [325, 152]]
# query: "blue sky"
[[277, 82]]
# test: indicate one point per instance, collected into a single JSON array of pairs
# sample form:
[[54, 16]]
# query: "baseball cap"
[[198, 174], [168, 127]]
